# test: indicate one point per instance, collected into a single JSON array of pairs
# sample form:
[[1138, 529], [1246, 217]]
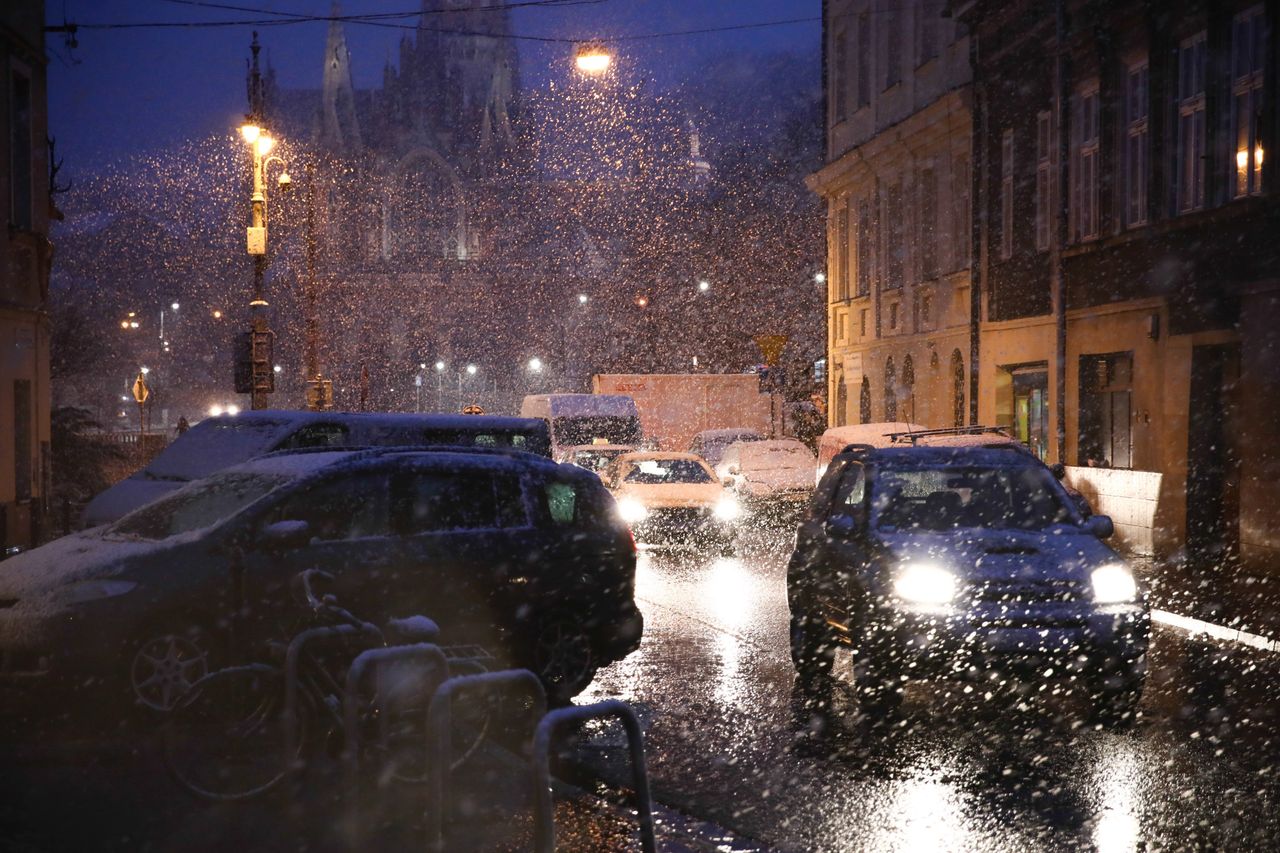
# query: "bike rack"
[[439, 743], [428, 654], [544, 817], [291, 660]]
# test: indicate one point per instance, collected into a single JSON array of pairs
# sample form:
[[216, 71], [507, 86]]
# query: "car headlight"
[[632, 510], [1113, 583], [96, 590], [727, 509], [922, 583]]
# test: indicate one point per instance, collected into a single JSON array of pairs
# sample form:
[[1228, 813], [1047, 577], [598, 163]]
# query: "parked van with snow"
[[218, 443], [574, 419], [838, 438]]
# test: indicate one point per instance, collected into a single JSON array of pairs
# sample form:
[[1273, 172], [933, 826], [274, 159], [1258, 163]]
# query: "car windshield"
[[762, 456], [946, 497], [655, 471], [199, 506]]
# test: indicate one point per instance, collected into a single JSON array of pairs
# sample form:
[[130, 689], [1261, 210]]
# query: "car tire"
[[563, 659], [165, 660], [877, 685]]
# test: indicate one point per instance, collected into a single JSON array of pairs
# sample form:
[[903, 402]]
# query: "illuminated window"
[[1248, 52]]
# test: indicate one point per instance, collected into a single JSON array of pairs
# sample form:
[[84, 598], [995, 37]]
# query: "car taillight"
[[632, 536]]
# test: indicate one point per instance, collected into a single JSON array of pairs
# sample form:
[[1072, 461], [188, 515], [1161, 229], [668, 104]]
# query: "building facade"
[[897, 183], [25, 256]]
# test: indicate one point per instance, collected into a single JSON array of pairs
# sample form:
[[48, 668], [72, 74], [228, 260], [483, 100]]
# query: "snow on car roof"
[[587, 405], [987, 454], [772, 445], [658, 454], [877, 435], [733, 433], [305, 463]]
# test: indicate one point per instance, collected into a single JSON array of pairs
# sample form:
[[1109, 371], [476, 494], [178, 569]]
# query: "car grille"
[[677, 518], [1023, 591]]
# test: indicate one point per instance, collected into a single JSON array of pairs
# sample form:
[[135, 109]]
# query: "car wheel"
[[563, 659], [878, 686], [166, 661]]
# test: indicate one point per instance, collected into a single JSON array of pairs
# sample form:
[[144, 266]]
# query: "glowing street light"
[[217, 315], [704, 286], [146, 370], [820, 277], [250, 132], [174, 306], [592, 58], [471, 369], [439, 366], [582, 299], [535, 364]]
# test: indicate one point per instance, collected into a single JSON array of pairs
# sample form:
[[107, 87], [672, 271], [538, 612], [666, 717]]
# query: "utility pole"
[[258, 346], [319, 389]]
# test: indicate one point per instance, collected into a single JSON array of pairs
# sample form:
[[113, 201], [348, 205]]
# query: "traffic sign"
[[140, 390], [770, 347], [473, 409]]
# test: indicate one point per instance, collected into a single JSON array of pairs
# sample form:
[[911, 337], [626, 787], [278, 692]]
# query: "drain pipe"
[[1062, 98]]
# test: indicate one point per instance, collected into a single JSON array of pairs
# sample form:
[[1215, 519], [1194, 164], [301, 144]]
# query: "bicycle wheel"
[[226, 739]]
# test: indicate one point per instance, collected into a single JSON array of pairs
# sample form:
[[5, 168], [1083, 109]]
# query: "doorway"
[[1022, 404], [1213, 460]]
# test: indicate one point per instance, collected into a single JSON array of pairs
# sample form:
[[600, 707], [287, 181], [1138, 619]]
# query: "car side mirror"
[[282, 535], [1100, 526], [727, 482], [840, 526], [1059, 470]]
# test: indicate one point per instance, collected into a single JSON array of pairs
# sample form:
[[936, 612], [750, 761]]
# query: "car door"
[[349, 526], [464, 532], [841, 546]]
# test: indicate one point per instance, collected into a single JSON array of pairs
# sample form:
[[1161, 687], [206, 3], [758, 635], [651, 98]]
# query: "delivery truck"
[[674, 407]]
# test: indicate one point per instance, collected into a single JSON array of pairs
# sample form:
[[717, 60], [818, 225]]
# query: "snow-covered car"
[[836, 439], [594, 457], [507, 550], [220, 442], [957, 561], [673, 498], [772, 478], [710, 444]]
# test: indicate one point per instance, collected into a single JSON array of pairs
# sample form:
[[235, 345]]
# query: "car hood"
[[672, 494], [69, 560], [764, 480], [1062, 552]]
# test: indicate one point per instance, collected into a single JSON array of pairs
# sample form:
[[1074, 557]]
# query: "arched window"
[[957, 387], [908, 390], [842, 403], [890, 395], [864, 402]]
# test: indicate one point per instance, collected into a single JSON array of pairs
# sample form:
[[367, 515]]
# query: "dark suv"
[[504, 549], [957, 562]]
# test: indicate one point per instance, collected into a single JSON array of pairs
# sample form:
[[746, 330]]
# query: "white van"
[[217, 443], [574, 419]]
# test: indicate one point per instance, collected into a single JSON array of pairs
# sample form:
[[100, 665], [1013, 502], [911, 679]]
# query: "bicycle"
[[240, 731]]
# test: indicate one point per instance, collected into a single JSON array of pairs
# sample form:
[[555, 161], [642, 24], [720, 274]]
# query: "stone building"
[[897, 184], [25, 257]]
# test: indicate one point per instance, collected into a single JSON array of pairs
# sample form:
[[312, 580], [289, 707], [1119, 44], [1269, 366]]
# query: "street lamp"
[[704, 286], [592, 58], [582, 299], [535, 364]]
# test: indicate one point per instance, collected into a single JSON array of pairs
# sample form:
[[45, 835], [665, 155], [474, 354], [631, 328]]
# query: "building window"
[[1190, 149], [928, 22], [864, 60], [957, 388], [840, 77], [892, 20], [893, 316], [842, 331], [1134, 159], [842, 402], [22, 439], [1248, 50], [926, 223], [864, 248], [842, 250], [908, 390], [894, 250], [1006, 195], [862, 322], [1106, 404], [1084, 165], [20, 162], [890, 397], [961, 223], [1044, 179], [926, 309], [864, 402]]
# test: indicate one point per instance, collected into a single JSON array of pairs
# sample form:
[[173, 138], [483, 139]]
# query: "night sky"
[[126, 91]]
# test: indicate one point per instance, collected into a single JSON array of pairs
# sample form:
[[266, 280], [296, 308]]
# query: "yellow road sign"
[[770, 347], [140, 390], [473, 409]]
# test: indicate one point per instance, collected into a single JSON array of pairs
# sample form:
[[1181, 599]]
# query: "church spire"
[[339, 127]]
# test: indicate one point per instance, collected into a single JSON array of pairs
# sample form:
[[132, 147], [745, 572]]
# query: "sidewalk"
[[1231, 598]]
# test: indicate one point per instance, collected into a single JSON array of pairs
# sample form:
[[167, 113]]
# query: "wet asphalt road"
[[728, 742]]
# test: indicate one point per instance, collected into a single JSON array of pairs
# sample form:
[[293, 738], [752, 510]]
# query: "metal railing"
[[544, 817]]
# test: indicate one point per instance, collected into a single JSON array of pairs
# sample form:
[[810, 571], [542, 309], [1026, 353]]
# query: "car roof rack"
[[974, 429]]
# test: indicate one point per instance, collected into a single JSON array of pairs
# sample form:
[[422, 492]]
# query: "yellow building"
[[897, 186]]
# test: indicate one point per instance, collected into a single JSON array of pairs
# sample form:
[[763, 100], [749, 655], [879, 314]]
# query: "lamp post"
[[257, 377]]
